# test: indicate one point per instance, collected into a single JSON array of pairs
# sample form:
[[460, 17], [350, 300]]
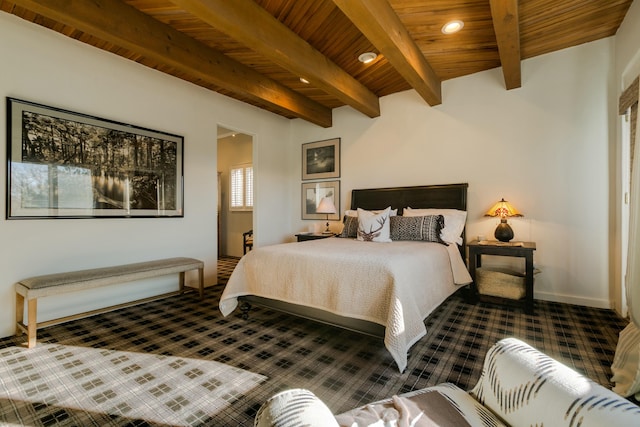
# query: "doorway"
[[235, 190]]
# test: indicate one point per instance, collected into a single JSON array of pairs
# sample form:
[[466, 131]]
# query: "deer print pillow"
[[374, 227]]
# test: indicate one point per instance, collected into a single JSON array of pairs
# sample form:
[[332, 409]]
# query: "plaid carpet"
[[343, 368], [56, 384]]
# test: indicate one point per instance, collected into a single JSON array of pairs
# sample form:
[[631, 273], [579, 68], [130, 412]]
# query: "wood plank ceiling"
[[256, 51]]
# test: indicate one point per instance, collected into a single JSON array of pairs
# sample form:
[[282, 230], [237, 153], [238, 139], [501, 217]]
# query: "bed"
[[380, 289]]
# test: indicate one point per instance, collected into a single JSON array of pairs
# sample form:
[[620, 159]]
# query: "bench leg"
[[19, 313], [201, 282], [182, 282], [33, 324]]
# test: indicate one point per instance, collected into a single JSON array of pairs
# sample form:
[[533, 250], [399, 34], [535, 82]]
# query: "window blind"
[[241, 191]]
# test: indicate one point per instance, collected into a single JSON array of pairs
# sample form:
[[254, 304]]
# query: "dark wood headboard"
[[449, 196]]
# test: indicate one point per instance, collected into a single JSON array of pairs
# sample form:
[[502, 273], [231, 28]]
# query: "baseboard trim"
[[575, 300]]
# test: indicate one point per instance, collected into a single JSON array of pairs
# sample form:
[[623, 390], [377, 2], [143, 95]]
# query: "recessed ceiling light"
[[367, 57], [303, 80], [452, 27]]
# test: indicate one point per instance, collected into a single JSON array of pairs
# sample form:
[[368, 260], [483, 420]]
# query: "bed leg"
[[245, 307]]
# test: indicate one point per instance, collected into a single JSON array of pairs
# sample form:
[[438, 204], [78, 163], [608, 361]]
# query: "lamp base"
[[503, 232]]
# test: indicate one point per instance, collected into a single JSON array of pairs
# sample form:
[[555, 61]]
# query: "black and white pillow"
[[424, 228], [374, 227], [454, 222], [350, 221]]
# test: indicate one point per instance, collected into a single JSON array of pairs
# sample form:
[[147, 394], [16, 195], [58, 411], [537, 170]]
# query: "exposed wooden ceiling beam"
[[248, 23], [377, 20], [116, 22], [507, 28]]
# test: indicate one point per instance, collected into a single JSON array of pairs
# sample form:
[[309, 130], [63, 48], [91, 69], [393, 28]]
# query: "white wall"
[[42, 66], [544, 147]]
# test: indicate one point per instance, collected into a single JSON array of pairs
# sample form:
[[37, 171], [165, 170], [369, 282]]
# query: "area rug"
[[56, 384]]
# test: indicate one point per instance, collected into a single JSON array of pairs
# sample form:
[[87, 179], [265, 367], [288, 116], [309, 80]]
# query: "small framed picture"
[[312, 195], [321, 159]]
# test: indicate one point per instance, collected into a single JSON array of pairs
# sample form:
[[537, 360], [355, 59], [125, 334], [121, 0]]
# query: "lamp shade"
[[326, 206], [503, 209]]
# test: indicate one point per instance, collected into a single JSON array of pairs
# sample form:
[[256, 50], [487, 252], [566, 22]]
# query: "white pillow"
[[374, 227], [353, 212], [454, 221]]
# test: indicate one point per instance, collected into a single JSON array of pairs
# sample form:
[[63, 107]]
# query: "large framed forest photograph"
[[63, 164]]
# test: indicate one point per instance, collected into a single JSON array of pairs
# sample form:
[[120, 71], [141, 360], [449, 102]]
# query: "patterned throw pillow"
[[350, 221], [373, 227], [350, 227], [426, 228], [454, 222]]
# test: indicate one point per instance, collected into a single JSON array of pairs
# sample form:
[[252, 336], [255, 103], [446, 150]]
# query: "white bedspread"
[[393, 284]]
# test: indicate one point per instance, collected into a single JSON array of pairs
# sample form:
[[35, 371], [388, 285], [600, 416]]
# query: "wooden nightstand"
[[312, 236], [512, 249]]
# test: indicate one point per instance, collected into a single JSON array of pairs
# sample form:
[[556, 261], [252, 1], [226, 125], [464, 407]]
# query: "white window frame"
[[241, 194]]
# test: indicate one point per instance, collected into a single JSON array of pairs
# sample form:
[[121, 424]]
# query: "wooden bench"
[[56, 284]]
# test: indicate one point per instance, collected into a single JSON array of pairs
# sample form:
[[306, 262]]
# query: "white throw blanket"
[[393, 284]]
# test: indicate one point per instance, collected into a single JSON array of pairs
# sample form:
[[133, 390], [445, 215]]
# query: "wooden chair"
[[247, 241]]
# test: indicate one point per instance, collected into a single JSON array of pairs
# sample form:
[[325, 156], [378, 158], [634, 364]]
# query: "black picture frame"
[[63, 164], [321, 159]]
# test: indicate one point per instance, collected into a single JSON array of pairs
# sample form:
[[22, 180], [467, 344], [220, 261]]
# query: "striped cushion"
[[294, 408], [525, 387]]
